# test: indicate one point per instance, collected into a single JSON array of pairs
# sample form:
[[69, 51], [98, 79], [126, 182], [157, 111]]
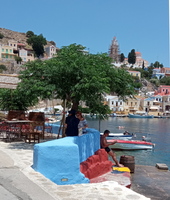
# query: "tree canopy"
[[37, 42], [165, 80], [18, 59], [29, 34], [132, 57], [1, 35], [158, 65], [122, 57], [16, 99], [75, 75], [2, 68]]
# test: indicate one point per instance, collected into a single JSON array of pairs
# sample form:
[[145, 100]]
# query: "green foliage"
[[18, 59], [37, 42], [36, 80], [158, 65], [132, 57], [150, 71], [155, 81], [122, 57], [29, 34], [165, 80], [15, 99], [75, 75], [84, 110], [143, 65], [1, 36], [2, 68]]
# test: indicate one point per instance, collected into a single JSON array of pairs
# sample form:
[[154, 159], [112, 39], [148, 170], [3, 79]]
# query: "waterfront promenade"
[[19, 181]]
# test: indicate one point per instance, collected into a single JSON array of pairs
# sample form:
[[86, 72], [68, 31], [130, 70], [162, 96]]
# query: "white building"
[[50, 51], [114, 103]]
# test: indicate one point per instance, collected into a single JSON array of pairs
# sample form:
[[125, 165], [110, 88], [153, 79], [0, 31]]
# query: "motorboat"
[[131, 145], [119, 136], [140, 116]]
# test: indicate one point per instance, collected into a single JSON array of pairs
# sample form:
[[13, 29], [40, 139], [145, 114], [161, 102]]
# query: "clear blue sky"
[[142, 25]]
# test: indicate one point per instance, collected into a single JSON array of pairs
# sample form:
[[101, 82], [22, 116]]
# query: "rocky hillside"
[[13, 35], [12, 66]]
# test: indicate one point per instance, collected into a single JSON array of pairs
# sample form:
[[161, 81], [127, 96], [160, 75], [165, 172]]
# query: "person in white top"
[[83, 122]]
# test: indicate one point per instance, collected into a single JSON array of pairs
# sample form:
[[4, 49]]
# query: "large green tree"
[[158, 65], [75, 75], [37, 42], [122, 57], [132, 57]]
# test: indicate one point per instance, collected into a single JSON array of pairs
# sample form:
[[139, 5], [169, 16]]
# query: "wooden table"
[[14, 129], [18, 130]]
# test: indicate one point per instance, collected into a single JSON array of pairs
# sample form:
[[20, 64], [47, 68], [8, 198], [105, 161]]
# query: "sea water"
[[156, 129]]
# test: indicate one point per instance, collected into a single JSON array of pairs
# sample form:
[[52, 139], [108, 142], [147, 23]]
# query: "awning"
[[154, 108]]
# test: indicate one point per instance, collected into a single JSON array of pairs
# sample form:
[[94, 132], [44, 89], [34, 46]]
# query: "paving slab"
[[162, 166], [151, 182]]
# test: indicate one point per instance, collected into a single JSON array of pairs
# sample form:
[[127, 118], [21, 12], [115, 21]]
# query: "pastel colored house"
[[132, 105], [157, 73], [115, 103], [163, 90], [23, 54], [153, 104], [165, 70], [7, 52], [51, 51], [13, 44], [135, 73]]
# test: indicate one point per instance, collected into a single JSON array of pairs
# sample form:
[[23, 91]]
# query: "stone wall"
[[9, 81]]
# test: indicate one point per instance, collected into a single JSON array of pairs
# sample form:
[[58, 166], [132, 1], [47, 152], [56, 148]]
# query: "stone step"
[[162, 166]]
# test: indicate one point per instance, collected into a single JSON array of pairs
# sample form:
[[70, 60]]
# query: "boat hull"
[[131, 145], [140, 116]]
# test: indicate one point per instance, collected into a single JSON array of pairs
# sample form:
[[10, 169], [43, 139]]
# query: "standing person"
[[71, 124], [83, 122], [105, 145]]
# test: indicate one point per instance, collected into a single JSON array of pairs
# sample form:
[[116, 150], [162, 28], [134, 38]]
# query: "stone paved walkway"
[[22, 154]]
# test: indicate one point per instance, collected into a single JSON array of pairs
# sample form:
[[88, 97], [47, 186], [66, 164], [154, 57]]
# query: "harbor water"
[[156, 129]]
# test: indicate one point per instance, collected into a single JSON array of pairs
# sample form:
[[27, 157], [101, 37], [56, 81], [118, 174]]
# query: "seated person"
[[105, 145]]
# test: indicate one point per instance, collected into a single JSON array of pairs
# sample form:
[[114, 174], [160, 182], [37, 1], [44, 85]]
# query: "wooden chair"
[[48, 129], [3, 129], [35, 132], [31, 134]]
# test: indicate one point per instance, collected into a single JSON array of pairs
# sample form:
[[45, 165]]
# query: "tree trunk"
[[75, 105]]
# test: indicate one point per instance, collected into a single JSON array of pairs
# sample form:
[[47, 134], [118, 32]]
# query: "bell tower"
[[114, 50]]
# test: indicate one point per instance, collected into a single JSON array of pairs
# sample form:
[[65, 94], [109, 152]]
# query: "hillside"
[[12, 66], [13, 35]]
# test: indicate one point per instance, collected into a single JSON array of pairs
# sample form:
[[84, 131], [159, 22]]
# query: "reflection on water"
[[158, 129]]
